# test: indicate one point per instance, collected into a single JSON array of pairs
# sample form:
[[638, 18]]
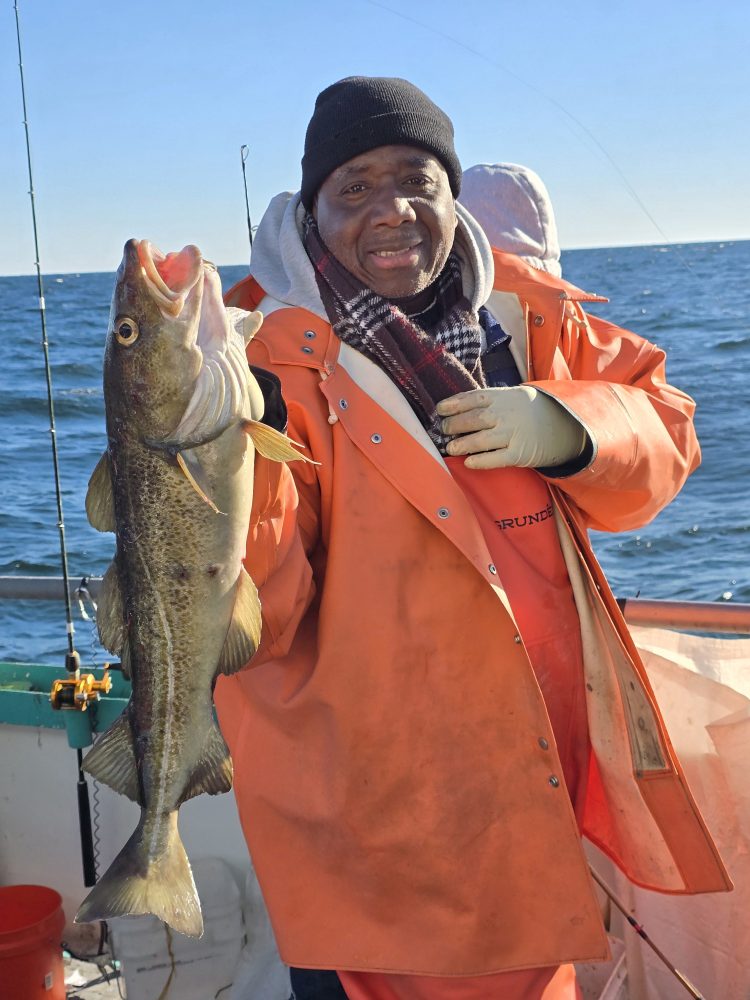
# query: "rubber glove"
[[515, 426]]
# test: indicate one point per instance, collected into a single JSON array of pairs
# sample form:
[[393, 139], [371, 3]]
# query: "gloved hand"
[[514, 426]]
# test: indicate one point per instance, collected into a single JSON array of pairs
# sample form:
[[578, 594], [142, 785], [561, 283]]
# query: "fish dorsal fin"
[[213, 772], [110, 613], [273, 444], [243, 635], [112, 759], [100, 500]]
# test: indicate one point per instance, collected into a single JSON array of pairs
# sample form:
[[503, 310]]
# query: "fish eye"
[[126, 331]]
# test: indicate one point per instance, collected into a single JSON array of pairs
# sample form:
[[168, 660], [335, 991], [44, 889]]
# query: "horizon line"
[[568, 249]]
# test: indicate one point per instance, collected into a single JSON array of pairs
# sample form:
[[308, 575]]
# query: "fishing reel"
[[77, 691]]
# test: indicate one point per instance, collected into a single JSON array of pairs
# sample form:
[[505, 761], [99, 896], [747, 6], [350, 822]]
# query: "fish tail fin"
[[137, 882]]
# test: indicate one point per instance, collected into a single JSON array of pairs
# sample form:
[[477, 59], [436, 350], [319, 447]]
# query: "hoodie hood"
[[282, 268], [513, 207]]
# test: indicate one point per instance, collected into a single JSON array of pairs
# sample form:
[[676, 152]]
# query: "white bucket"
[[202, 967]]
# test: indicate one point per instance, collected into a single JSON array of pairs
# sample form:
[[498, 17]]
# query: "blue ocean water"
[[693, 300]]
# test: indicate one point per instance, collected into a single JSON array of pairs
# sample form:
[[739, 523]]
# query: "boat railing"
[[719, 617]]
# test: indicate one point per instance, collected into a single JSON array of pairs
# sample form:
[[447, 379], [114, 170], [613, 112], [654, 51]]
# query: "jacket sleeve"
[[645, 445], [283, 534]]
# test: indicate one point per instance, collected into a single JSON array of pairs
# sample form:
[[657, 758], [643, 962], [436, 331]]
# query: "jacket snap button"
[[543, 743], [443, 512], [539, 321], [343, 404], [376, 439], [493, 569], [310, 334], [554, 781], [516, 638], [307, 350]]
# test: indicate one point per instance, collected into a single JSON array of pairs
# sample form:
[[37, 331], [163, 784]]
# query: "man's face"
[[389, 217]]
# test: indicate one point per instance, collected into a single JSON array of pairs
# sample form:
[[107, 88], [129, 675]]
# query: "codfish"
[[177, 606]]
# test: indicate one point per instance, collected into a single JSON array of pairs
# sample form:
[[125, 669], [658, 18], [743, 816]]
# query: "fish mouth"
[[170, 277]]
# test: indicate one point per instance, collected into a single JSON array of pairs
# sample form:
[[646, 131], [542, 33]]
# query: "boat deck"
[[78, 973]]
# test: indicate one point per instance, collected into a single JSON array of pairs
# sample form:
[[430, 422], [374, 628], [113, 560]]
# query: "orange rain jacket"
[[392, 750]]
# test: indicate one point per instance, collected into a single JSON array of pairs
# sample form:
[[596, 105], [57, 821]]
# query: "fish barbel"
[[177, 606]]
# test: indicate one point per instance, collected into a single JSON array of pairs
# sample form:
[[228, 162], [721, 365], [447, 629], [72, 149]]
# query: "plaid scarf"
[[427, 364]]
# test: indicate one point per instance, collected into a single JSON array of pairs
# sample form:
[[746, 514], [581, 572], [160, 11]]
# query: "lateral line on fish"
[[167, 739], [189, 476]]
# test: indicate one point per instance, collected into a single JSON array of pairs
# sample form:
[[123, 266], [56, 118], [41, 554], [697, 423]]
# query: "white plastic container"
[[203, 966]]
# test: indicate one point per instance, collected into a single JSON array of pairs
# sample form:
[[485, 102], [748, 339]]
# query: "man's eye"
[[354, 189]]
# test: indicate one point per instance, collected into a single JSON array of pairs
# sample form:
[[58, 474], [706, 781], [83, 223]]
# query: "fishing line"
[[244, 153], [72, 659], [551, 100], [173, 964]]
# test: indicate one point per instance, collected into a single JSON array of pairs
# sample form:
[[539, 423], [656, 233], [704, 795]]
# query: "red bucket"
[[31, 925]]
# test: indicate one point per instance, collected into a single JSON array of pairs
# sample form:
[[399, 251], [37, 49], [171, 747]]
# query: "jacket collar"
[[512, 274]]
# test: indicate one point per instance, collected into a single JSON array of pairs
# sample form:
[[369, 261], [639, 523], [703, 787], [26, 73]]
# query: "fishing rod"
[[65, 691], [640, 931], [244, 153]]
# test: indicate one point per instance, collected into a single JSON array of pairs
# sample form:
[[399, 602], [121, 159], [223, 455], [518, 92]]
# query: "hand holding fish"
[[516, 426]]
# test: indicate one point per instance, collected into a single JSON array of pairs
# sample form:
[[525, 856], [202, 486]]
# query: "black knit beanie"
[[362, 112]]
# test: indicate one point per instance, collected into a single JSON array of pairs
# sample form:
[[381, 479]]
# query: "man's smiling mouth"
[[394, 253], [398, 257]]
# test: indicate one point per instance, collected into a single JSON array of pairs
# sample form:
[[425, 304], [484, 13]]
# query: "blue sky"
[[138, 110]]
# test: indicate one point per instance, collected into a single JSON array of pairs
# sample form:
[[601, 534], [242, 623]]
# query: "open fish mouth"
[[170, 277]]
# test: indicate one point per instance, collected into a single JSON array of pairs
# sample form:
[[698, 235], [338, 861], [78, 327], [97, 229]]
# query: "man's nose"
[[392, 209]]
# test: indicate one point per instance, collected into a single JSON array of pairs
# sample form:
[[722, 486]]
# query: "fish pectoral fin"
[[273, 444], [192, 469], [112, 759], [243, 635], [139, 882], [213, 773], [110, 613], [100, 500]]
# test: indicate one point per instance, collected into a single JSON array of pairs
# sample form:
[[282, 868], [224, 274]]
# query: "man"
[[445, 694]]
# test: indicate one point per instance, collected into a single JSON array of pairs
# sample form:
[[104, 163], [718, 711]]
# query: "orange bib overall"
[[514, 510]]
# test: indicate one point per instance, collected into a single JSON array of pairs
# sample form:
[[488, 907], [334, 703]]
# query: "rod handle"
[[87, 837]]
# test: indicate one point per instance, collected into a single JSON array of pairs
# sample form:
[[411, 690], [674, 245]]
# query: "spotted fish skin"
[[175, 485]]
